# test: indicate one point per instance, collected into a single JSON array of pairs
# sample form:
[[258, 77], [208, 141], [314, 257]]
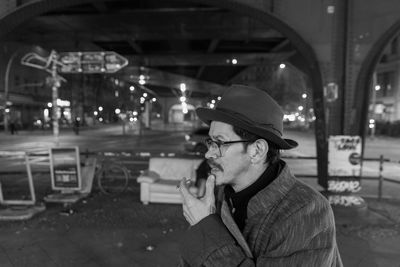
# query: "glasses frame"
[[208, 142]]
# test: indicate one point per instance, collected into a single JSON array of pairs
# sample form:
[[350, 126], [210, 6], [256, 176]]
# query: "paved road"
[[111, 138], [120, 231]]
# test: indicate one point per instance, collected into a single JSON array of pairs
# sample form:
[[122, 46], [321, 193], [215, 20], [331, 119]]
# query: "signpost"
[[72, 62], [48, 64], [91, 62]]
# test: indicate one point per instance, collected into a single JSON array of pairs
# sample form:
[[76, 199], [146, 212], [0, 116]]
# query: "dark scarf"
[[238, 201]]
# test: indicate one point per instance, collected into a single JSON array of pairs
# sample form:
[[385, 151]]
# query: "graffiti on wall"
[[345, 201], [344, 186]]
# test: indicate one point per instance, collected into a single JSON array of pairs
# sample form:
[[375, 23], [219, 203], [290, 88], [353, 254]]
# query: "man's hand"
[[195, 209]]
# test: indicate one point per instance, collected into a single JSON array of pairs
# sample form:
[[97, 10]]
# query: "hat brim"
[[207, 115]]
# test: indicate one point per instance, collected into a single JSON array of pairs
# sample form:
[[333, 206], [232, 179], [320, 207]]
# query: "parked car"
[[194, 141]]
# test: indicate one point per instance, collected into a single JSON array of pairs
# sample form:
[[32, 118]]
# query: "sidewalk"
[[120, 231]]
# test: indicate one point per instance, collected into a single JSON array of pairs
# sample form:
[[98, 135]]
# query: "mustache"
[[213, 165]]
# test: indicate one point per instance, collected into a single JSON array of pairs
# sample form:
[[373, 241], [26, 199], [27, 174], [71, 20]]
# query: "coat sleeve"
[[209, 243], [305, 237]]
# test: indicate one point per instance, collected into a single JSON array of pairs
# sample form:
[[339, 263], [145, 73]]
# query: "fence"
[[138, 160]]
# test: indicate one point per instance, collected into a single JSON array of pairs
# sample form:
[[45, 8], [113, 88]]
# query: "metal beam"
[[169, 80], [250, 68], [281, 45], [139, 26], [135, 46], [212, 46], [141, 34], [222, 59], [100, 6]]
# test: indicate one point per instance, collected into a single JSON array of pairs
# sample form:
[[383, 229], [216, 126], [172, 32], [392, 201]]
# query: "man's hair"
[[273, 154]]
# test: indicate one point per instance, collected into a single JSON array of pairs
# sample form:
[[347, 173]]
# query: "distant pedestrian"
[[76, 125], [12, 127]]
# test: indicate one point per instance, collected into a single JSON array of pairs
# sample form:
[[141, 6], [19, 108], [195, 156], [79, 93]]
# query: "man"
[[261, 215]]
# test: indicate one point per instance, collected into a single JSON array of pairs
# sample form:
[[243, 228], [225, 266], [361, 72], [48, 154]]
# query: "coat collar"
[[274, 192], [271, 196]]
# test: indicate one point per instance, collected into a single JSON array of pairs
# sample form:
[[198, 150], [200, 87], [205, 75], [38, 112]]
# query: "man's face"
[[232, 166]]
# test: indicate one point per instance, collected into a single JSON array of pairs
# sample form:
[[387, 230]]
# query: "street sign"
[[91, 62], [65, 168], [344, 156]]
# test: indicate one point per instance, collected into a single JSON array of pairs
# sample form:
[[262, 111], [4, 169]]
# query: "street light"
[[182, 86]]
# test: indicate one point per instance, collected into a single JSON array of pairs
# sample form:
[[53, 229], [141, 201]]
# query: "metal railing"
[[142, 157]]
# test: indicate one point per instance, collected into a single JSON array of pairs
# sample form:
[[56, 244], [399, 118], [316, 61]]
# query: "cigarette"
[[188, 181]]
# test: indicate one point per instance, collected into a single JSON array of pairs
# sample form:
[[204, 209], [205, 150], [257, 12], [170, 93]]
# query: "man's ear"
[[258, 150]]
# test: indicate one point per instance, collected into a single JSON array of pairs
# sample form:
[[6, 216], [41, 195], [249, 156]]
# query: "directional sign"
[[91, 62]]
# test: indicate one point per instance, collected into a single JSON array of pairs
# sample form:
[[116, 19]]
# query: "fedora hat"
[[251, 109]]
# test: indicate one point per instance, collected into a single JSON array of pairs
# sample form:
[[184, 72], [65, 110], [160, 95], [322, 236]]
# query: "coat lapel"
[[234, 229]]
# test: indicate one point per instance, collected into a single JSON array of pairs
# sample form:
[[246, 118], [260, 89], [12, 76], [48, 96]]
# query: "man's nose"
[[210, 154]]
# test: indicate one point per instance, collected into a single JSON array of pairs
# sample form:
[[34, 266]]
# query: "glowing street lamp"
[[282, 66], [117, 111], [182, 86]]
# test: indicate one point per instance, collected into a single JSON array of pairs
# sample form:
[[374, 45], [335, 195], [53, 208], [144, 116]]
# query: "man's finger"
[[210, 184], [183, 188]]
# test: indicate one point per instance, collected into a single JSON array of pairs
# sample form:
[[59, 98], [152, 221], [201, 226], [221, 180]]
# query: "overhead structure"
[[176, 41]]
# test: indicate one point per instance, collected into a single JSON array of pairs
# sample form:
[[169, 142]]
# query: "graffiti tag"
[[346, 201], [347, 143], [344, 186]]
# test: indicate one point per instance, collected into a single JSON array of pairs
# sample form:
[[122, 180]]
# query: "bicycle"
[[112, 177]]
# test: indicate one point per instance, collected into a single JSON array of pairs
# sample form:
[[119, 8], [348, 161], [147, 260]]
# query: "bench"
[[159, 183]]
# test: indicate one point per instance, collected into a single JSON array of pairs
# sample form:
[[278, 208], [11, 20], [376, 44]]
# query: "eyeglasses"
[[217, 144]]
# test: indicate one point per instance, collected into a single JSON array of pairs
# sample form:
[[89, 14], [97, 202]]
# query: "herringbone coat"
[[288, 224]]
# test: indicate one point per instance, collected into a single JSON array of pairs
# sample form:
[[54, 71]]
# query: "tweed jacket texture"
[[288, 224]]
